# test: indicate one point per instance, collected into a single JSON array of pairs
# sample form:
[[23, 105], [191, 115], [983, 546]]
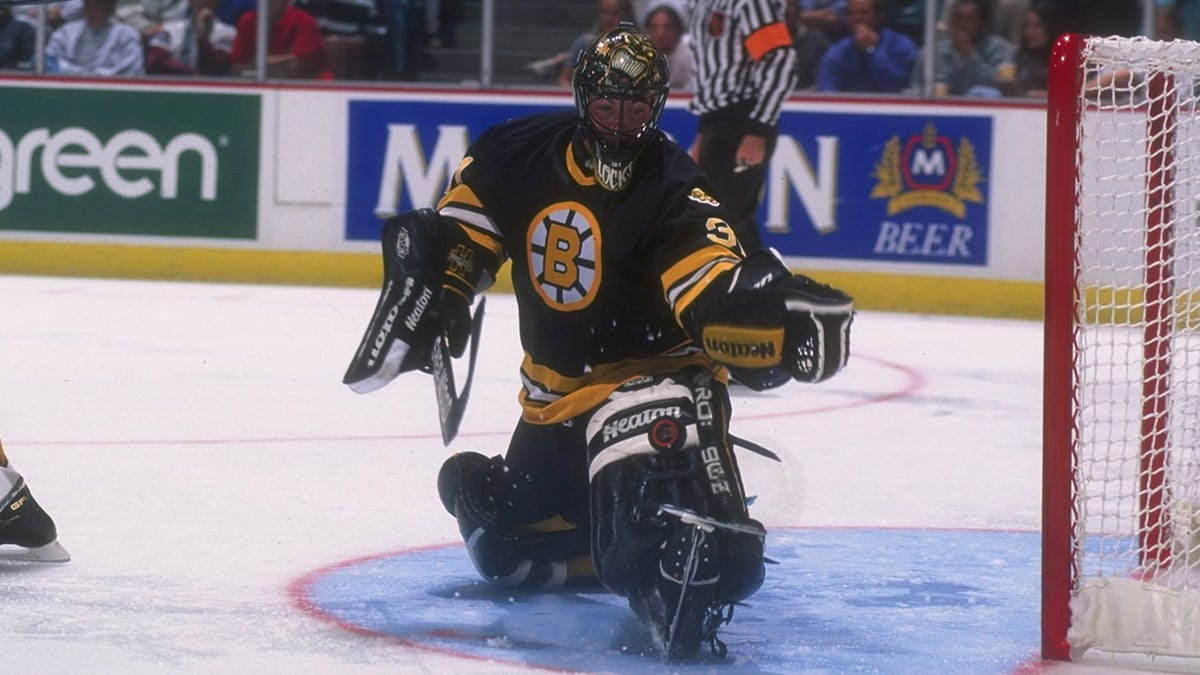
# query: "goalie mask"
[[620, 89]]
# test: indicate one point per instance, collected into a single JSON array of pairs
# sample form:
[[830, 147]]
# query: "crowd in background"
[[306, 39], [981, 47]]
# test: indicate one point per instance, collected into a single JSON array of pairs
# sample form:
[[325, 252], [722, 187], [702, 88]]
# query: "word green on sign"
[[142, 162]]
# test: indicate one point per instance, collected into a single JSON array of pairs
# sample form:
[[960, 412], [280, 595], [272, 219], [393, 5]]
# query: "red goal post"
[[1121, 395]]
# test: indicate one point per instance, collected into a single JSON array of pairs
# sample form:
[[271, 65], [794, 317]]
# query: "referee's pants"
[[740, 192]]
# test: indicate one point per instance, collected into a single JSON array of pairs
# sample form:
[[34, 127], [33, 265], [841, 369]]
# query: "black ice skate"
[[27, 533], [688, 597], [683, 609]]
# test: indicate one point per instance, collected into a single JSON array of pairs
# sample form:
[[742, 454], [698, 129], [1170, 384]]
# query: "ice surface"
[[199, 453]]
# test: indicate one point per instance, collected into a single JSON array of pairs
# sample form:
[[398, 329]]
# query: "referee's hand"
[[751, 152]]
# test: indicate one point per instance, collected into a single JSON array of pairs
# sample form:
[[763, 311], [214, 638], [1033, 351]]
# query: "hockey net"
[[1121, 479]]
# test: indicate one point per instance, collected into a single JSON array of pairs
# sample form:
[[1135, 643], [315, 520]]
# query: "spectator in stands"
[[1187, 12], [57, 13], [355, 34], [873, 58], [432, 20], [231, 11], [1125, 84], [609, 13], [1111, 17], [295, 48], [1168, 23], [198, 44], [440, 18], [16, 41], [825, 16], [906, 16], [96, 44], [1008, 18], [1041, 27], [404, 21], [148, 16], [970, 60], [1100, 17], [666, 24], [810, 43]]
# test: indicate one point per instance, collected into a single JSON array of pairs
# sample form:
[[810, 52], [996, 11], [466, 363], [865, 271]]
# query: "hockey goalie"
[[637, 306]]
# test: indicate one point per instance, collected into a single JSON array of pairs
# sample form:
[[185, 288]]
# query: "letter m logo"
[[406, 167], [928, 163]]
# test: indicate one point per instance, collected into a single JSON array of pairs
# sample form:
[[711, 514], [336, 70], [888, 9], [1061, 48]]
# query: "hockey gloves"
[[816, 343], [767, 325]]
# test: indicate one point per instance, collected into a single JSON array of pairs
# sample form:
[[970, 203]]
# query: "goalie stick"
[[452, 403]]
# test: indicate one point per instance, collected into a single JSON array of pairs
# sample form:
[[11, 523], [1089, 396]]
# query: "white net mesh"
[[1137, 348]]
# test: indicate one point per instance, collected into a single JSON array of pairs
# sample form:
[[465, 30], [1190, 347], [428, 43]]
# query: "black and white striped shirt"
[[742, 52]]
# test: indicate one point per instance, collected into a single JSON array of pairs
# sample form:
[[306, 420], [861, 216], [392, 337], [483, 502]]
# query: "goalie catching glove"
[[426, 294], [767, 325]]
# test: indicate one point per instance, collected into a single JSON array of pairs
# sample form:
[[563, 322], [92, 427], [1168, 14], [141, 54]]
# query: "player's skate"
[[27, 533], [682, 608]]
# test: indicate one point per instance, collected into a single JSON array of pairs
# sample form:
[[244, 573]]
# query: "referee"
[[744, 69]]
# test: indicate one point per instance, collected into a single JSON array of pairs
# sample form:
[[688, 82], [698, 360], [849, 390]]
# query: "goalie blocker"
[[423, 315], [767, 325]]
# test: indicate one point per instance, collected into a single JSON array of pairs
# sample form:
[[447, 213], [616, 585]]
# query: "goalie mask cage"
[[1121, 418]]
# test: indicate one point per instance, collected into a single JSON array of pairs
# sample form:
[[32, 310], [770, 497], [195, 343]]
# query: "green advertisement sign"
[[168, 163]]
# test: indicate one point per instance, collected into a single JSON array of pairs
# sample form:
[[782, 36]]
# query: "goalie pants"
[[535, 518]]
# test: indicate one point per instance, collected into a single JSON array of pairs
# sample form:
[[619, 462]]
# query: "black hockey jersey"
[[601, 278]]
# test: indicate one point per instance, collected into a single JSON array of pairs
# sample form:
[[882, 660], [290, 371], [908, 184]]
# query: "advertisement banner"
[[895, 188], [401, 154], [129, 162], [840, 185]]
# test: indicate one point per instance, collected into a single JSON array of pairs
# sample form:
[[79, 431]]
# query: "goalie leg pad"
[[670, 528], [402, 329], [486, 497]]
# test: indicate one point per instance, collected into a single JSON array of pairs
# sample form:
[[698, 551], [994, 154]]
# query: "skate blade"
[[49, 553]]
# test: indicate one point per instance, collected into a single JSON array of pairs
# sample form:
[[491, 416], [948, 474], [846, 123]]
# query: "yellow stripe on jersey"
[[462, 204], [555, 523], [486, 242], [687, 278], [461, 194], [577, 171], [592, 390], [556, 384]]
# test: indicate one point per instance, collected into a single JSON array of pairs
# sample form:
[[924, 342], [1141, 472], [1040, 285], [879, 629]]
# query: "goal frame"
[[1062, 299]]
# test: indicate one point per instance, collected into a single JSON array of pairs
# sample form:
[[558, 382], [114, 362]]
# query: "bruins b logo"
[[564, 255]]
